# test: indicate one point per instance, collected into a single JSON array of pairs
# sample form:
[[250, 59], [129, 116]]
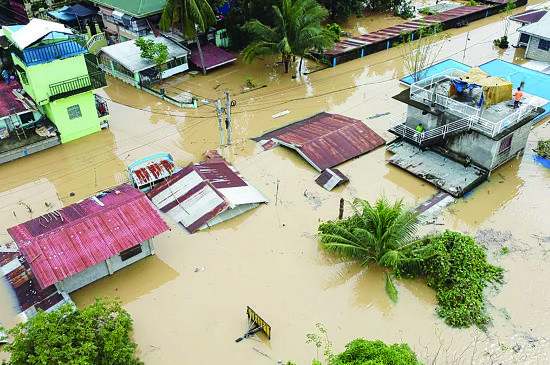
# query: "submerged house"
[[60, 75], [124, 61], [536, 37], [204, 194], [83, 242], [469, 128]]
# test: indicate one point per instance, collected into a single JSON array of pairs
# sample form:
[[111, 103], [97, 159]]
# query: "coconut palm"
[[190, 15], [297, 31], [383, 233]]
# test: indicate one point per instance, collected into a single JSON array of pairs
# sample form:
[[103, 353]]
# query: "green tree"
[[342, 10], [190, 15], [95, 335], [297, 31], [361, 351], [155, 52]]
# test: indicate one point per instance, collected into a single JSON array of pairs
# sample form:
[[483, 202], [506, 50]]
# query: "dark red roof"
[[212, 55], [529, 16], [326, 140], [60, 244], [9, 103]]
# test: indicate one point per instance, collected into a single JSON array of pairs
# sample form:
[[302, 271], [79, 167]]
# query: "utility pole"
[[219, 110], [228, 117], [465, 43]]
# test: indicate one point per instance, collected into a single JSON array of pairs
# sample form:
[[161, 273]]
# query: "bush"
[[543, 149], [501, 42], [336, 29], [361, 351], [459, 272]]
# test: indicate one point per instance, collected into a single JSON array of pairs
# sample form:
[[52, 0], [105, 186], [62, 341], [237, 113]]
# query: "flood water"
[[189, 300]]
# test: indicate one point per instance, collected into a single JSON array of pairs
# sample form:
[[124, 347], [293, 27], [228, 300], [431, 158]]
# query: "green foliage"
[[188, 15], [336, 29], [249, 82], [427, 11], [404, 9], [321, 341], [391, 290], [472, 3], [363, 352], [510, 5], [96, 335], [156, 52], [387, 5], [501, 42], [343, 9], [297, 31], [505, 250], [543, 148], [458, 271]]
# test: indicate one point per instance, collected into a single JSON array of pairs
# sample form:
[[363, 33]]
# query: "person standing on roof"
[[517, 97], [419, 128]]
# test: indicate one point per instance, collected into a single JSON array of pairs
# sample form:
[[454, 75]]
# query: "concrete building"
[[83, 242], [469, 128], [536, 36], [60, 75]]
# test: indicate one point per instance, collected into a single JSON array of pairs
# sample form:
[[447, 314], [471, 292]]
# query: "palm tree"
[[190, 15], [383, 233], [297, 31]]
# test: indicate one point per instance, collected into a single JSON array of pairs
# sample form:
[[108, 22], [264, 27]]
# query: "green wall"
[[41, 76], [71, 129]]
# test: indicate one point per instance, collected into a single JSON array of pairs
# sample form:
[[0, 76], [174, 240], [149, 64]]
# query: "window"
[[544, 44], [505, 144], [74, 112], [131, 252]]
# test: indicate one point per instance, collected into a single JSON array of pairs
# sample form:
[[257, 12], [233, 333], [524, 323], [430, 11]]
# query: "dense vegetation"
[[543, 149], [96, 335], [452, 264], [297, 30], [363, 352]]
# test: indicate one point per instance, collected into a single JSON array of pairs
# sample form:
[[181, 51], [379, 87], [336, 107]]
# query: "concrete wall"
[[102, 269], [519, 140], [534, 52], [416, 116], [479, 147]]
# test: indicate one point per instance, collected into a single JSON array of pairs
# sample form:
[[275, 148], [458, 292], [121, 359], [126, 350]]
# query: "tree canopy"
[[361, 351], [95, 335], [297, 30], [188, 15], [150, 50]]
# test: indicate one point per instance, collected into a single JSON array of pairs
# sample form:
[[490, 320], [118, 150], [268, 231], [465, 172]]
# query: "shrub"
[[361, 351], [543, 149]]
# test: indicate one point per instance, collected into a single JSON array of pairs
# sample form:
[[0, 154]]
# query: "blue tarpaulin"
[[61, 15]]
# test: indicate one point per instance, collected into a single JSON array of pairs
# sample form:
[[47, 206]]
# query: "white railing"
[[95, 38], [424, 91], [441, 131]]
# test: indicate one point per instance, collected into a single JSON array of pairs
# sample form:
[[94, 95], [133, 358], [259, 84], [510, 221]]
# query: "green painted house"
[[60, 75]]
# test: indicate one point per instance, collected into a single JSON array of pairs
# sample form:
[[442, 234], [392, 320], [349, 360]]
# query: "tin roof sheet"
[[201, 191], [529, 16], [539, 29], [60, 244], [212, 56], [331, 178], [36, 30], [326, 140]]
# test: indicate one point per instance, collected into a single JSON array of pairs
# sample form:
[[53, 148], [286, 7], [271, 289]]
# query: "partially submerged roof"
[[331, 178], [36, 30], [529, 16], [67, 241], [148, 170], [11, 101], [136, 8], [212, 55], [539, 29], [326, 140], [206, 193], [129, 55]]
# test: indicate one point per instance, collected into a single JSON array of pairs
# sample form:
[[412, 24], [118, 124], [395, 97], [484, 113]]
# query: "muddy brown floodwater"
[[189, 300]]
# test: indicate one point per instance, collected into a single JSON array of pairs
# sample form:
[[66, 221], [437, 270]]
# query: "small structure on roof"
[[206, 193], [331, 178], [124, 61], [150, 171], [536, 36], [83, 242], [325, 140]]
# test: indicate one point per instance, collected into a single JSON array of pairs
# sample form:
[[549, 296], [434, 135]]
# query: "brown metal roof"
[[529, 16], [326, 140]]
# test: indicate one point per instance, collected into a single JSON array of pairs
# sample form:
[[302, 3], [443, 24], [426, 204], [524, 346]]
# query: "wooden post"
[[341, 213]]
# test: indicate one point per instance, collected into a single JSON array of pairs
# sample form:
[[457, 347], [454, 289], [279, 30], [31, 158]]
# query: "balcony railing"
[[425, 91], [77, 85], [50, 52]]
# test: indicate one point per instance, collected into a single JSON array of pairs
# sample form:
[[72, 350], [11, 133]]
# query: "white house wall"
[[533, 51]]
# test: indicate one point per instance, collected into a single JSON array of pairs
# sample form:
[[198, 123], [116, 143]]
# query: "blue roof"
[[61, 15], [536, 83]]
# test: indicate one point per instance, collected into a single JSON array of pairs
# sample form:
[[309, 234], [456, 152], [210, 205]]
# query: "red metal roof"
[[202, 191], [212, 56], [529, 16], [60, 244], [9, 103], [326, 140]]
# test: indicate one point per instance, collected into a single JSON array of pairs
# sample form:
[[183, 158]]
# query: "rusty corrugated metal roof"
[[205, 193], [331, 178], [326, 140], [529, 16], [60, 244]]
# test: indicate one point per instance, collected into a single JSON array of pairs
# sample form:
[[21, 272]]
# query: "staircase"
[[432, 136], [96, 42]]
